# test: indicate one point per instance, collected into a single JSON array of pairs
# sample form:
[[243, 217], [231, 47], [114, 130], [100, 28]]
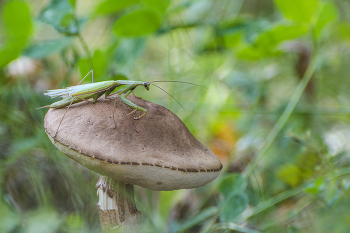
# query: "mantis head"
[[146, 85]]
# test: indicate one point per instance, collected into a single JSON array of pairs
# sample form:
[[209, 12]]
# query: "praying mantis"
[[84, 92]]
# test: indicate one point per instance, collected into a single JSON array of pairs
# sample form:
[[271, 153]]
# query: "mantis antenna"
[[169, 95], [178, 82], [174, 82]]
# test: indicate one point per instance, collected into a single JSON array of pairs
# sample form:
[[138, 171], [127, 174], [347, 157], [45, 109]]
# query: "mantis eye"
[[146, 85]]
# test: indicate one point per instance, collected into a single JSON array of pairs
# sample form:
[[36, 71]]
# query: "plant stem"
[[116, 206], [284, 117], [85, 47]]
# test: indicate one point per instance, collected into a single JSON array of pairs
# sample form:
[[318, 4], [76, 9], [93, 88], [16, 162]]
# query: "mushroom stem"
[[116, 206]]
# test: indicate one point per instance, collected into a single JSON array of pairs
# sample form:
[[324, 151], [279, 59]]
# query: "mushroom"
[[157, 152]]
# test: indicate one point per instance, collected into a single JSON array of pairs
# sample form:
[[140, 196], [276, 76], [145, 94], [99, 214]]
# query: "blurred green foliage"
[[251, 54], [16, 26]]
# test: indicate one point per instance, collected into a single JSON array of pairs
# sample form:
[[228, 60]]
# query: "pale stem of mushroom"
[[116, 206]]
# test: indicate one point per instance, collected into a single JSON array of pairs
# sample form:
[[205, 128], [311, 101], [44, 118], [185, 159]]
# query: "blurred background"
[[275, 111]]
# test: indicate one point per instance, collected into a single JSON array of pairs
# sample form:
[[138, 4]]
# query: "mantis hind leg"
[[115, 105], [63, 117]]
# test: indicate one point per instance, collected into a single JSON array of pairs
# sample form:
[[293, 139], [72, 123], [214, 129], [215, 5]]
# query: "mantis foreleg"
[[129, 103], [91, 71], [128, 89]]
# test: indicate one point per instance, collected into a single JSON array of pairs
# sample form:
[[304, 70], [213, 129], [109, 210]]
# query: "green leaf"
[[299, 10], [9, 52], [125, 53], [47, 48], [266, 42], [203, 215], [157, 5], [112, 6], [99, 62], [16, 24], [278, 33], [60, 14], [341, 30], [332, 193], [137, 23], [234, 183], [74, 221], [290, 174], [73, 2], [233, 206], [246, 51], [119, 77], [232, 226], [233, 39], [316, 187], [328, 14], [8, 218]]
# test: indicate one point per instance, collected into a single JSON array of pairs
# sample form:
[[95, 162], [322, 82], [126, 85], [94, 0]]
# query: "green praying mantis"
[[84, 92]]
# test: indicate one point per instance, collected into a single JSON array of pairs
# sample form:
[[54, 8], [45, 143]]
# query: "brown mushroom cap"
[[161, 154]]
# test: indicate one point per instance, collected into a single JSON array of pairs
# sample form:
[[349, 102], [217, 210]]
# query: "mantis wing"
[[81, 89]]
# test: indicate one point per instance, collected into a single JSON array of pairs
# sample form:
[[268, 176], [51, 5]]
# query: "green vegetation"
[[276, 110]]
